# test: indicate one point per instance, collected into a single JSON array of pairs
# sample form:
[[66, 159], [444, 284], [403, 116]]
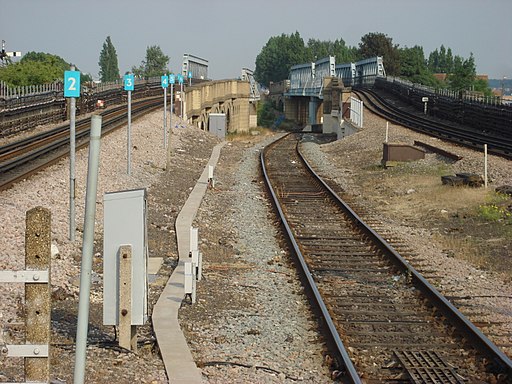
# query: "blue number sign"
[[172, 79], [71, 84], [189, 74], [180, 78], [129, 82], [165, 81]]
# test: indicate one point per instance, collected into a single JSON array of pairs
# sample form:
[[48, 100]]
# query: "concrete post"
[[127, 331], [37, 295]]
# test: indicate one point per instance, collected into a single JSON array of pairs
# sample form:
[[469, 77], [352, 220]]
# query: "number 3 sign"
[[71, 84]]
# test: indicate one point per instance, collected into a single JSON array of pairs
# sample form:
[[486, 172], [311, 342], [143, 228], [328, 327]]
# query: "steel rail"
[[341, 353], [59, 147], [35, 140], [468, 137], [472, 334]]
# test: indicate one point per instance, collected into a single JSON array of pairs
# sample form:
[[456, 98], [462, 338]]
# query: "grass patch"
[[480, 230], [421, 168], [251, 133], [498, 208], [467, 248]]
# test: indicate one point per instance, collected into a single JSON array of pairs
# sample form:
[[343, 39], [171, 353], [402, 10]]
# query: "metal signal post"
[[165, 84], [129, 85], [4, 54], [72, 90]]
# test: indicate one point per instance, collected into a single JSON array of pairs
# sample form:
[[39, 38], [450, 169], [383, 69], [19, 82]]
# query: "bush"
[[266, 114]]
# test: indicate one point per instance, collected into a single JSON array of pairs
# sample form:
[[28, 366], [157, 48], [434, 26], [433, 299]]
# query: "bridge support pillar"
[[290, 109], [313, 101], [336, 102]]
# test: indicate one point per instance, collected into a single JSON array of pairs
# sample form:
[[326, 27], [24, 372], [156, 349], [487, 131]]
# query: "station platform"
[[176, 355]]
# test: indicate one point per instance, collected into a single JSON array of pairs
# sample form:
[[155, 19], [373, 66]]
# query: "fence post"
[[37, 295]]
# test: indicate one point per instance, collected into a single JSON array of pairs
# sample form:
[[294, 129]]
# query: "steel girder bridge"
[[307, 82]]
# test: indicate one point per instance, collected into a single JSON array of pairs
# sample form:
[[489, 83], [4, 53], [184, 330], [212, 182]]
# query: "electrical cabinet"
[[217, 124], [124, 223]]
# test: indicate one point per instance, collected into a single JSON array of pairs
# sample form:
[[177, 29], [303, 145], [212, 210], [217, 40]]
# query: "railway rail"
[[384, 321], [20, 159], [498, 145]]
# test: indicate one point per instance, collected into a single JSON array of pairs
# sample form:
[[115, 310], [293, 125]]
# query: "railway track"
[[20, 159], [379, 105], [384, 321]]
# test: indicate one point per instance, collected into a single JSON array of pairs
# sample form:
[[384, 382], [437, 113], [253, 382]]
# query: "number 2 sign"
[[71, 84]]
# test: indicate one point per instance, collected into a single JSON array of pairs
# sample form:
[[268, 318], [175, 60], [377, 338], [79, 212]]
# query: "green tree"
[[154, 65], [379, 44], [480, 85], [443, 64], [36, 68], [463, 75], [318, 49], [109, 68], [413, 66], [276, 58], [441, 61], [433, 61], [449, 61], [266, 113]]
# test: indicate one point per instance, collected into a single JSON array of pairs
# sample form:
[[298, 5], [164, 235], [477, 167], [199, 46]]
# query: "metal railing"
[[467, 96], [8, 92]]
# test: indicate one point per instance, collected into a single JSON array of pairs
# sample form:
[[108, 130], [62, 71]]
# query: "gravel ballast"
[[251, 322]]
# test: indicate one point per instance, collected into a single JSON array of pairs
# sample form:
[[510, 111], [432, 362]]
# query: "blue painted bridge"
[[306, 90]]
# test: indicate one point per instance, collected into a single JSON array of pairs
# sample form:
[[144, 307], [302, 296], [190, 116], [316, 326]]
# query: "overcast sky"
[[231, 33]]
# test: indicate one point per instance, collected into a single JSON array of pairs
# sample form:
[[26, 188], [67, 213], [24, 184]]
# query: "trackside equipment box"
[[124, 223], [217, 124]]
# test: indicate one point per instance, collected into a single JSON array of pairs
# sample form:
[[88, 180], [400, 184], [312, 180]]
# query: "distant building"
[[483, 77], [440, 76]]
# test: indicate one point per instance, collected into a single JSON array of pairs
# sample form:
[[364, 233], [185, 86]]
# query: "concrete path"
[[179, 364]]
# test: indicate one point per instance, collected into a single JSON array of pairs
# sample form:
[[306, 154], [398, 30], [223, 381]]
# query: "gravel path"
[[251, 323]]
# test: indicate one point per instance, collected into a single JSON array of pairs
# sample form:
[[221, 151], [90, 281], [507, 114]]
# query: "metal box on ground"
[[124, 223], [217, 124], [395, 152]]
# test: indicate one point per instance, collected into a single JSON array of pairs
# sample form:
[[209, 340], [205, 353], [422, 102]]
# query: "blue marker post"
[[180, 80], [189, 78], [172, 80], [72, 90], [129, 85], [165, 84]]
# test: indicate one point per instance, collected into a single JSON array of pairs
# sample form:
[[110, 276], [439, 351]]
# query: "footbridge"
[[236, 99], [320, 89]]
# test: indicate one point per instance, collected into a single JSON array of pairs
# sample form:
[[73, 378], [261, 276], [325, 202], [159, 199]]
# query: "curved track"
[[20, 159], [385, 108], [384, 321]]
